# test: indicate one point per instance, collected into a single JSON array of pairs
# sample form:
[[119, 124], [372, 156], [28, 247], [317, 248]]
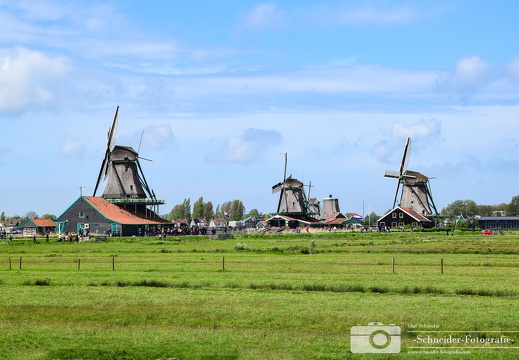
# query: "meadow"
[[259, 296]]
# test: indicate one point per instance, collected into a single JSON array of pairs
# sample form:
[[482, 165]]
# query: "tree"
[[458, 207], [2, 217], [371, 218], [182, 211], [235, 208], [198, 208], [514, 206], [49, 216], [208, 211], [253, 212], [31, 215]]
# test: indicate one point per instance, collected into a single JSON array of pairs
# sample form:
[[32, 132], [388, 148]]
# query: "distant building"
[[32, 227], [252, 221], [218, 222], [499, 222], [199, 223]]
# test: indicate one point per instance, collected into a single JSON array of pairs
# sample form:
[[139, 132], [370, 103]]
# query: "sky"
[[220, 90]]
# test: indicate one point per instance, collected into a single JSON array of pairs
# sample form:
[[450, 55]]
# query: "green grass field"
[[259, 297]]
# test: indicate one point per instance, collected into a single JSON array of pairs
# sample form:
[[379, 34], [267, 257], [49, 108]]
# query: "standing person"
[[307, 228], [47, 237]]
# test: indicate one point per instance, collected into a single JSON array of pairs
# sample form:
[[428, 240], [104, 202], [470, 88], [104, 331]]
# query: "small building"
[[99, 216], [218, 222], [37, 227], [252, 221], [199, 223], [402, 216], [283, 220], [499, 222], [335, 220], [180, 223]]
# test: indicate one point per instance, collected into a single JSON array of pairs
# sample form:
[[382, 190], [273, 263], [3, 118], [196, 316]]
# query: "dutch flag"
[[357, 216], [226, 214]]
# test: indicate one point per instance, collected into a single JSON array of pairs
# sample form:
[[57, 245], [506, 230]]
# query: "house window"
[[394, 215], [131, 187], [401, 215], [394, 224], [81, 214]]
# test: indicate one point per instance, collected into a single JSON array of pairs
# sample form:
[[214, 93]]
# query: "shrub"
[[240, 246]]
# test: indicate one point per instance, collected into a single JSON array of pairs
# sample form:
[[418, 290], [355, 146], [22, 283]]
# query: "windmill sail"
[[110, 143]]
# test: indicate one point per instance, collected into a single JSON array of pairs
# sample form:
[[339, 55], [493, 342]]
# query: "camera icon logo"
[[375, 338]]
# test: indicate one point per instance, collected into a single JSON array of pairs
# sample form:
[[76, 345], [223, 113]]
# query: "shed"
[[32, 227]]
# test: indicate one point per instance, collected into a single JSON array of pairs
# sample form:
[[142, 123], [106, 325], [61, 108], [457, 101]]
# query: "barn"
[[99, 216]]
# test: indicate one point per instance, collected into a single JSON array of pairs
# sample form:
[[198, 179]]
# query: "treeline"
[[471, 208], [206, 210]]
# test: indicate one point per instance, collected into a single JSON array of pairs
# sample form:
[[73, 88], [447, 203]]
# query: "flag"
[[357, 216], [226, 214]]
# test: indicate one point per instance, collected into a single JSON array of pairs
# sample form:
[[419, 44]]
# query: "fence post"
[[223, 263], [10, 268], [393, 264], [312, 247], [113, 263], [20, 263], [78, 264], [441, 265]]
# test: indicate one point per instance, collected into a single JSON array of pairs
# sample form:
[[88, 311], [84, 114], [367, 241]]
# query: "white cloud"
[[154, 137], [513, 69], [423, 133], [430, 129], [246, 148], [371, 15], [264, 16], [29, 78], [72, 147], [469, 75]]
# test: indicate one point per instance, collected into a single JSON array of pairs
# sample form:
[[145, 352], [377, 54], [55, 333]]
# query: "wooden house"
[[402, 216], [99, 216]]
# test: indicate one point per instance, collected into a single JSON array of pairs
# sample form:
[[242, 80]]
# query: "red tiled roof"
[[120, 215], [44, 222], [416, 215], [335, 216]]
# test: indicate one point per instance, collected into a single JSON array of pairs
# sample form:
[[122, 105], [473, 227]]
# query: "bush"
[[240, 246]]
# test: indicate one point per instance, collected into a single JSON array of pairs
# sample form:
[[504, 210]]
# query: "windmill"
[[416, 193], [126, 182], [292, 200]]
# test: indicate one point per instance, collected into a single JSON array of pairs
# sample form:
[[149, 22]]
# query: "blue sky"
[[223, 88]]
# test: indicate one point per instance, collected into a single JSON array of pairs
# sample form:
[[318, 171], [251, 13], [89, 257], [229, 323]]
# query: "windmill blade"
[[103, 169], [405, 156], [392, 174], [277, 188], [285, 172], [396, 193], [112, 131]]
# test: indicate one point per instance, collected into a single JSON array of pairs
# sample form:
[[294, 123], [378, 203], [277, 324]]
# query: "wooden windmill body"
[[416, 194], [292, 198], [126, 185]]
